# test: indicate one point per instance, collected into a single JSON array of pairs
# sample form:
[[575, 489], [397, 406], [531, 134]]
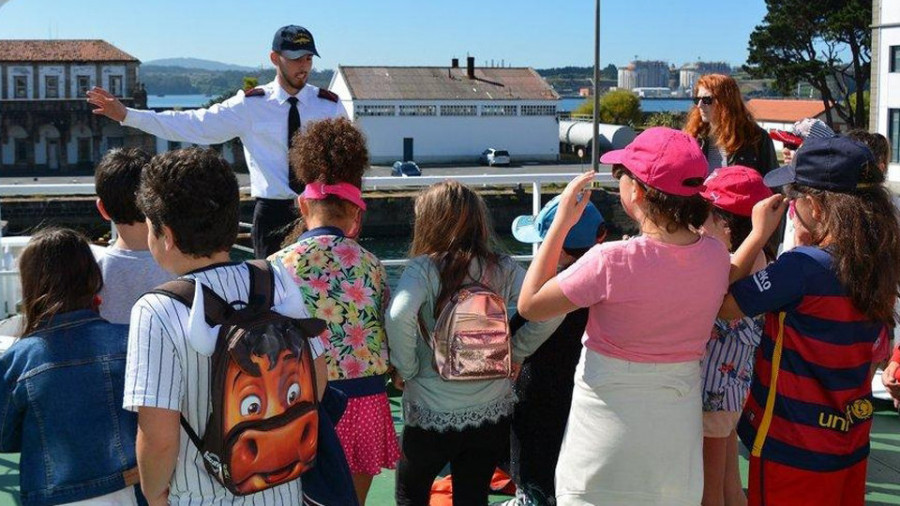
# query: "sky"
[[539, 34]]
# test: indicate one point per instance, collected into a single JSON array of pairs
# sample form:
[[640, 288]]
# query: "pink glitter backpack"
[[471, 338]]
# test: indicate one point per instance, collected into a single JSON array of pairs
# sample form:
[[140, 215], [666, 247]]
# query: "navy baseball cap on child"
[[832, 164], [533, 229], [294, 41]]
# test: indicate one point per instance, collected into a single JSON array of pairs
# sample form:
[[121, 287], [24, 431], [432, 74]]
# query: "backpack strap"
[[262, 284], [216, 309]]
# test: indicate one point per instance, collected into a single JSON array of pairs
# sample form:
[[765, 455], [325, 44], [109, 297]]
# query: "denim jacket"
[[61, 407]]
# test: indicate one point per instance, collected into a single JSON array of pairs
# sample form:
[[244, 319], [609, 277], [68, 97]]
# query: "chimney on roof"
[[454, 63], [470, 67]]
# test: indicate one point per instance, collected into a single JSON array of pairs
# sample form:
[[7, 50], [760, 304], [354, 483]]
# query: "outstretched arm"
[[106, 104], [541, 298]]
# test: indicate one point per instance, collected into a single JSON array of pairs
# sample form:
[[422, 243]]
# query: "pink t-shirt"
[[649, 301]]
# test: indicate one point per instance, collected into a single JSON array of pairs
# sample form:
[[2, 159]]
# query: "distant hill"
[[178, 80], [196, 63]]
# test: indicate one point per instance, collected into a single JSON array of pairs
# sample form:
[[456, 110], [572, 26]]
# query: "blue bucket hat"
[[533, 229]]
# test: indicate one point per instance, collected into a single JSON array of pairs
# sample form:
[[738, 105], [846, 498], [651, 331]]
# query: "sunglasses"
[[705, 100]]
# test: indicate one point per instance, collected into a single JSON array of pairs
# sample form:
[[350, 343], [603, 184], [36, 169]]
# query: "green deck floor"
[[882, 485]]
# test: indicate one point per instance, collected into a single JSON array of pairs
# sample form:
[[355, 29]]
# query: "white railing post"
[[535, 207]]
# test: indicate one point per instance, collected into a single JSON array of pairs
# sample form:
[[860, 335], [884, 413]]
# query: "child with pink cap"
[[634, 430], [727, 366]]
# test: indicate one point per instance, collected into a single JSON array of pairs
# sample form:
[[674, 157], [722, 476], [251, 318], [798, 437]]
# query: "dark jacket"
[[760, 156], [61, 407]]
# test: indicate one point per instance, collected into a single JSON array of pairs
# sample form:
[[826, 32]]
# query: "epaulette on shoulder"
[[255, 92], [328, 95]]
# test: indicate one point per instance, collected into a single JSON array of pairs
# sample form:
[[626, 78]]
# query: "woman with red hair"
[[725, 129]]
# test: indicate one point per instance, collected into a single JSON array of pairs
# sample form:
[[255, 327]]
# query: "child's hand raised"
[[573, 200], [767, 215]]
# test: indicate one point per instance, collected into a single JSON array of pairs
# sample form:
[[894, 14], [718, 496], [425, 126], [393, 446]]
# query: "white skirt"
[[634, 435]]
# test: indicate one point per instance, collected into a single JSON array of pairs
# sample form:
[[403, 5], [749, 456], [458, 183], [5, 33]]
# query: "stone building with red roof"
[[46, 126]]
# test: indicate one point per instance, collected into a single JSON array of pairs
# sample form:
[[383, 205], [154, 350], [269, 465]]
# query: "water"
[[647, 104], [170, 101], [564, 105]]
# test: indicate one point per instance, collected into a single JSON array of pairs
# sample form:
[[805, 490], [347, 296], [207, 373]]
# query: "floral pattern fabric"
[[727, 367], [345, 285]]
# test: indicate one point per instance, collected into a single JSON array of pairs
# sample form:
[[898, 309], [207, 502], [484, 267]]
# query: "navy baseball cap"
[[832, 164], [294, 41], [533, 229]]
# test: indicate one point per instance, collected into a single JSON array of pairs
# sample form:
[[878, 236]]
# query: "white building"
[[450, 114], [885, 86], [644, 74]]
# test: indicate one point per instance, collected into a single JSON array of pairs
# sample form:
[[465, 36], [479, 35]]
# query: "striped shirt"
[[809, 405], [728, 364], [163, 371]]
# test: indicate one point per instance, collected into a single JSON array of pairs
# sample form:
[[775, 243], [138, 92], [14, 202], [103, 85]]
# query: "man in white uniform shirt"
[[263, 118]]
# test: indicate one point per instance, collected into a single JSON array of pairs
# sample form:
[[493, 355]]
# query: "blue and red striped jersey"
[[810, 401]]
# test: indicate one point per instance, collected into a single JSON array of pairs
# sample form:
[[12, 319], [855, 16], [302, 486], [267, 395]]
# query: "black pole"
[[595, 150]]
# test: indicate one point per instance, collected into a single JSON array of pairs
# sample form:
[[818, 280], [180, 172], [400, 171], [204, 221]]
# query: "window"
[[21, 151], [538, 110], [20, 86], [499, 110], [84, 149], [84, 84], [115, 142], [51, 86], [377, 110], [418, 110], [895, 59], [173, 145], [115, 86], [459, 110], [894, 134]]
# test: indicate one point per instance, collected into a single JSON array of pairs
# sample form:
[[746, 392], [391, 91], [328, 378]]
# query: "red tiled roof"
[[786, 111], [61, 51], [444, 83]]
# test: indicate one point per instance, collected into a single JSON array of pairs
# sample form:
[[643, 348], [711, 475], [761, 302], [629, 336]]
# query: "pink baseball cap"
[[735, 189], [665, 159]]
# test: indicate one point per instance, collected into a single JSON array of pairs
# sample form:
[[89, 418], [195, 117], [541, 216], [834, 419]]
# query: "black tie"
[[293, 126]]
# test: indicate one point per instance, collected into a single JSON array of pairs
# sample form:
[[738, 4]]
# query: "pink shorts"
[[367, 435]]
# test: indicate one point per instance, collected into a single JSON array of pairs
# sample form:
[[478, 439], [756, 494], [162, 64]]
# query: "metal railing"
[[10, 291]]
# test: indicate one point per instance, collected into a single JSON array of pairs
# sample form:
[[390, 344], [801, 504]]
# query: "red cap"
[[790, 140], [735, 189], [665, 159]]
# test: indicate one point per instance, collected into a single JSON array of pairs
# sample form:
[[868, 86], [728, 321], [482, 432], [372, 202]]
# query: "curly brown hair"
[[330, 151], [194, 192], [671, 212], [735, 126], [865, 241]]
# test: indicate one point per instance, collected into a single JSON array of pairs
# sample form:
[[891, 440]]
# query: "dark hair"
[[579, 252], [877, 144], [665, 210], [194, 192], [58, 273], [453, 228], [330, 151], [735, 126], [116, 180], [863, 225], [739, 228]]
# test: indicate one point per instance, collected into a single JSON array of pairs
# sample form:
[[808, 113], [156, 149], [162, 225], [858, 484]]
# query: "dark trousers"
[[473, 454], [272, 221]]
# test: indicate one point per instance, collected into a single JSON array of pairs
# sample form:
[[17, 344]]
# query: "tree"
[[669, 119], [800, 40], [609, 72], [619, 107]]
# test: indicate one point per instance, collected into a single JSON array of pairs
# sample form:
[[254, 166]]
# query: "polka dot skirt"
[[367, 435]]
